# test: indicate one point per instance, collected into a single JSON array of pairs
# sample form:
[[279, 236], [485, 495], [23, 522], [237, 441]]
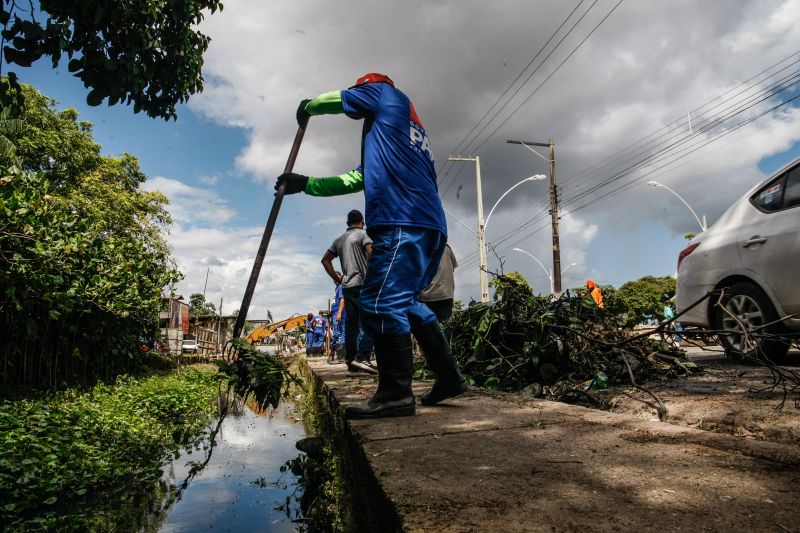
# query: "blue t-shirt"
[[338, 294], [396, 159], [319, 325]]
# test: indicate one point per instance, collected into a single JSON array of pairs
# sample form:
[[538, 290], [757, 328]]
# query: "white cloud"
[[208, 180], [191, 204], [291, 279], [648, 65]]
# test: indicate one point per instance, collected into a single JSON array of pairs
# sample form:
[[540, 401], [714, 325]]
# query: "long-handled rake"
[[247, 370], [262, 249]]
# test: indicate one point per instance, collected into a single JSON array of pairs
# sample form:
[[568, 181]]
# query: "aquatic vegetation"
[[253, 375], [99, 448]]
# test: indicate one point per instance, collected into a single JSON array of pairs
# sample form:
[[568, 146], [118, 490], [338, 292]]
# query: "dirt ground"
[[726, 397]]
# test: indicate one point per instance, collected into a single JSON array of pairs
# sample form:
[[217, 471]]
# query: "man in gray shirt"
[[353, 249]]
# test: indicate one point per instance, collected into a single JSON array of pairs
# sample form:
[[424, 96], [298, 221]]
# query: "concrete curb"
[[500, 462]]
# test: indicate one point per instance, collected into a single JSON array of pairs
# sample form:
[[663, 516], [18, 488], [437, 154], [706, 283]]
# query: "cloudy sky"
[[614, 83]]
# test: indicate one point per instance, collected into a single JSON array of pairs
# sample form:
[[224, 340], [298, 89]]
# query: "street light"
[[569, 265], [546, 271], [536, 177], [459, 221], [703, 226]]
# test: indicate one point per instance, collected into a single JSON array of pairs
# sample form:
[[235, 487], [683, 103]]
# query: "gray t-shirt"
[[349, 248], [443, 286]]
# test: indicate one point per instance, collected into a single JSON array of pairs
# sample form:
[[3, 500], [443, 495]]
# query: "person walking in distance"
[[337, 324], [408, 230], [353, 249], [309, 332], [317, 327]]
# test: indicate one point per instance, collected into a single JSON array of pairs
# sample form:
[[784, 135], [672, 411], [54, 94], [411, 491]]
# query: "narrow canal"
[[242, 487]]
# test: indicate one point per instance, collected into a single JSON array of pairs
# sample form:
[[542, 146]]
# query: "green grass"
[[65, 455]]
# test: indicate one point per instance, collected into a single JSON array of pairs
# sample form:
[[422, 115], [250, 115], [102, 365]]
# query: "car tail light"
[[685, 252]]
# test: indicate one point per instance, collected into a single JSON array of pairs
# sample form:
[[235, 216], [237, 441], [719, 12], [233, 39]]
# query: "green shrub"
[[60, 452]]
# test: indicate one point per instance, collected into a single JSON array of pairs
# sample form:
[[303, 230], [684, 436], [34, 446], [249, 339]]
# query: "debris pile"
[[560, 348]]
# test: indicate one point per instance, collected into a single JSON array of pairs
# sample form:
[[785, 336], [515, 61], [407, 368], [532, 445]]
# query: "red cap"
[[373, 77]]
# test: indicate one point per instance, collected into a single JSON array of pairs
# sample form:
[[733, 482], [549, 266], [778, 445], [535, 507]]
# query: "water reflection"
[[229, 493]]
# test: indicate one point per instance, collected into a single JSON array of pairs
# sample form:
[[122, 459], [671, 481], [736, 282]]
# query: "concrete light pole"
[[484, 282], [554, 218], [546, 271]]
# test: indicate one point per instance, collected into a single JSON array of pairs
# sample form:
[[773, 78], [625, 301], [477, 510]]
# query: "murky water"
[[241, 487]]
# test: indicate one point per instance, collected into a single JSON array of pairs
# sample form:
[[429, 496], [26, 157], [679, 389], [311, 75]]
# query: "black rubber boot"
[[449, 381], [395, 369]]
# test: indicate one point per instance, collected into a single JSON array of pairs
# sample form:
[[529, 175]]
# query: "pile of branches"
[[560, 347]]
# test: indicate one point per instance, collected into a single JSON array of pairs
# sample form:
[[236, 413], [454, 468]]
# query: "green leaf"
[[493, 383], [94, 98]]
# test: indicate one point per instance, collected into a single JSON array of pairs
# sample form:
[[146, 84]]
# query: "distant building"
[[211, 331], [173, 322]]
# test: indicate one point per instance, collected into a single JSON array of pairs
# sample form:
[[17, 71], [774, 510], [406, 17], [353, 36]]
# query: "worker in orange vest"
[[594, 291]]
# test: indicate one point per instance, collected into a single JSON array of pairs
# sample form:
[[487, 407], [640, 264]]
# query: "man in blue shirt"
[[407, 225], [319, 332], [309, 333], [338, 318]]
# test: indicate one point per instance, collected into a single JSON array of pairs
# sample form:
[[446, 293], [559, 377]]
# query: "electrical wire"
[[535, 70]]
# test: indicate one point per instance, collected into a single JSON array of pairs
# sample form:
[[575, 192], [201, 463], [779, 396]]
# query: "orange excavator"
[[267, 330]]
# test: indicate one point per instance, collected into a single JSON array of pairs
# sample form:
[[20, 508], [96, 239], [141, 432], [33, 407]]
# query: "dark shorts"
[[443, 309]]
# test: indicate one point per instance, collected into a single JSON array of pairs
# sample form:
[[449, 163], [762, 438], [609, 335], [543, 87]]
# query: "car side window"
[[791, 194], [769, 198]]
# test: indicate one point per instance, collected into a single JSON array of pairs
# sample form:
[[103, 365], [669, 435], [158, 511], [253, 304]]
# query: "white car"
[[753, 253], [189, 345]]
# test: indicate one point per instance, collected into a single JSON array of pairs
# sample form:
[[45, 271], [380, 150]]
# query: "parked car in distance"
[[189, 345], [753, 253]]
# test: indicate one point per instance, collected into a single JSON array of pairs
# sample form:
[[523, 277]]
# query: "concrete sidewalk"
[[500, 462]]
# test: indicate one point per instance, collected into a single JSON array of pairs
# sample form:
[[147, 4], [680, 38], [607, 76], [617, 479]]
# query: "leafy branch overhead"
[[148, 53]]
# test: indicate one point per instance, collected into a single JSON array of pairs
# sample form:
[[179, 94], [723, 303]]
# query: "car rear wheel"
[[744, 319]]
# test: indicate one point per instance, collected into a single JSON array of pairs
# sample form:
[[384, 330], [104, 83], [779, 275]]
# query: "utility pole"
[[551, 145], [481, 228]]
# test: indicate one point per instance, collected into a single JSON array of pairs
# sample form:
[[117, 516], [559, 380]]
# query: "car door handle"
[[755, 239]]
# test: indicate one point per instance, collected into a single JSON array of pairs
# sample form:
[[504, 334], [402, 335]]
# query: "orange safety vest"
[[597, 296]]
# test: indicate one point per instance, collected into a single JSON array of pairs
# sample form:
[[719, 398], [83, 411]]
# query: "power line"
[[536, 90], [535, 70], [458, 146], [682, 120], [714, 139], [676, 156], [706, 125], [710, 122]]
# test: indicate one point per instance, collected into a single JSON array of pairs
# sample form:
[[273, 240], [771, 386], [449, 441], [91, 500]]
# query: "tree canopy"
[[645, 296], [503, 283], [148, 53], [198, 306], [83, 259]]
